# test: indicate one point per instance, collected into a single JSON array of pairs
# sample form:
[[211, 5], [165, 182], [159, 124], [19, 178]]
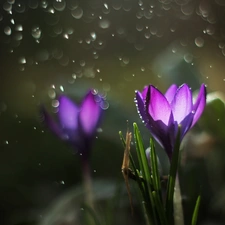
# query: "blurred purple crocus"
[[77, 124], [163, 114]]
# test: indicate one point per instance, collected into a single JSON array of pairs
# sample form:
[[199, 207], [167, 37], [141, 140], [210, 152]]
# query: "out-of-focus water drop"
[[52, 93], [59, 5], [8, 30], [19, 27], [22, 60], [55, 103], [7, 6], [77, 13], [36, 32], [199, 41], [93, 36], [188, 58], [33, 4], [104, 23]]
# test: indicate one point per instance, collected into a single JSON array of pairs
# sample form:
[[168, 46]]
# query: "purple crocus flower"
[[162, 114], [76, 124]]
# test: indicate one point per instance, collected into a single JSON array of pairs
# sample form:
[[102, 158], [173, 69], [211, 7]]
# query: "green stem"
[[172, 179], [87, 182]]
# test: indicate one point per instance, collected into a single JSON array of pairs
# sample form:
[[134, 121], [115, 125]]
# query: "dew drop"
[[77, 13], [188, 58], [7, 30], [199, 41]]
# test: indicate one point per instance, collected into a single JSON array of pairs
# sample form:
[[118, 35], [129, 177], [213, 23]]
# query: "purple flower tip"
[[163, 113], [77, 124]]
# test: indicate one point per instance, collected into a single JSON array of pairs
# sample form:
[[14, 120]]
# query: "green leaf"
[[144, 167], [155, 170], [196, 210], [160, 209]]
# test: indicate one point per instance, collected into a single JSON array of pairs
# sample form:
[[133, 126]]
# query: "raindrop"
[[19, 7], [19, 27], [51, 93], [127, 6], [199, 41], [82, 62], [18, 36], [188, 58], [12, 21], [44, 4], [64, 60], [61, 88], [72, 4], [106, 6], [59, 5], [36, 32], [7, 6], [147, 35], [58, 29], [139, 27], [126, 60], [117, 4], [221, 44], [188, 9], [104, 105], [55, 103], [33, 4], [22, 60], [153, 30], [210, 30], [6, 142], [142, 69], [99, 130], [139, 46], [77, 13], [57, 53], [66, 36], [104, 23], [7, 30], [93, 36], [11, 1]]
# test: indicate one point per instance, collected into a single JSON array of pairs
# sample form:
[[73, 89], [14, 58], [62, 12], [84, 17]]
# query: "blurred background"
[[50, 47]]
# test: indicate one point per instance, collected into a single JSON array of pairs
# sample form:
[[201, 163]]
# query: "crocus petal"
[[90, 114], [186, 124], [199, 104], [144, 93], [158, 106], [182, 103], [68, 113], [50, 123], [140, 106], [170, 93]]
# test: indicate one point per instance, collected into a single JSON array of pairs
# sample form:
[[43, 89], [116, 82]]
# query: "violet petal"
[[158, 107], [199, 104], [170, 93], [90, 114], [68, 113], [140, 106], [182, 103]]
